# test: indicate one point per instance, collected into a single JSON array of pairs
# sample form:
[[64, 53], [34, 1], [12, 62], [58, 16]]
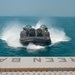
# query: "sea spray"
[[32, 47], [11, 35], [58, 35]]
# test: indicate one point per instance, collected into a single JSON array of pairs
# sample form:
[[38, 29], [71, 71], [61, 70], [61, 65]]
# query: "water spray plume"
[[11, 35]]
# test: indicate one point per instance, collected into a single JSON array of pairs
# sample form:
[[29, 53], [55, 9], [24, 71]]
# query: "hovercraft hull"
[[36, 41], [39, 36]]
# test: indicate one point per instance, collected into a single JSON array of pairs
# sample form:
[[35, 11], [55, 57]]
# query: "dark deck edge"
[[35, 69]]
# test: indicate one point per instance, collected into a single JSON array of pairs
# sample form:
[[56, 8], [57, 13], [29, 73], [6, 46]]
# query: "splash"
[[32, 47], [11, 35], [58, 35]]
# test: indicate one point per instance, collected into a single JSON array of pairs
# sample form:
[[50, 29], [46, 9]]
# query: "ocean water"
[[62, 33]]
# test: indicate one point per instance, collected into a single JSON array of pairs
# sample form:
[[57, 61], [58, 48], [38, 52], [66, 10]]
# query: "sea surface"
[[62, 33]]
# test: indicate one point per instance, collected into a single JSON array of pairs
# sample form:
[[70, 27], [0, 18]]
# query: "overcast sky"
[[37, 7]]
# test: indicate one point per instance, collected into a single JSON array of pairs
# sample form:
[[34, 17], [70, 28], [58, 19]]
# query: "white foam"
[[11, 35], [58, 35], [32, 47]]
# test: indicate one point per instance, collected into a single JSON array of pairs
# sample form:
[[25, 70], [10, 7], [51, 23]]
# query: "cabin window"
[[39, 33], [32, 32]]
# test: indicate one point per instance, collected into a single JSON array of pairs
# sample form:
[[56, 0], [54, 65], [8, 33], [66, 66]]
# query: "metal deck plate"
[[37, 65]]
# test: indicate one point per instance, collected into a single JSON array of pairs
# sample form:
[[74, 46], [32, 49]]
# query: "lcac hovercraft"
[[40, 36]]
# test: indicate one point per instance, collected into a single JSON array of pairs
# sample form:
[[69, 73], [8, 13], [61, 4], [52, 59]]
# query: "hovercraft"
[[40, 36]]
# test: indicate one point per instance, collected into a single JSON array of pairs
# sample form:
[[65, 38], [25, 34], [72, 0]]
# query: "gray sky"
[[37, 7]]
